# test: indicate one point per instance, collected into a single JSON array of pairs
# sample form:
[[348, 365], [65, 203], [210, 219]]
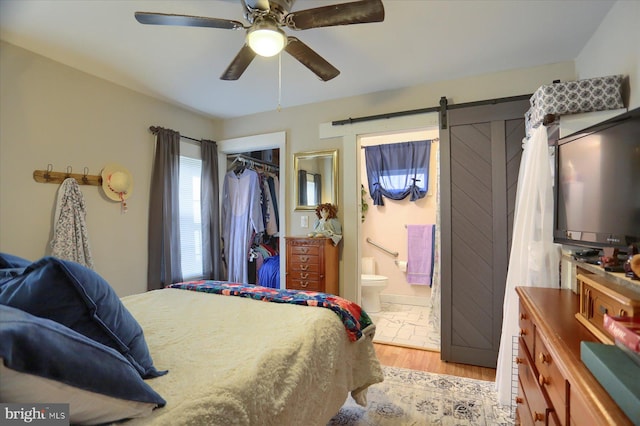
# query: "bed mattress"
[[240, 361]]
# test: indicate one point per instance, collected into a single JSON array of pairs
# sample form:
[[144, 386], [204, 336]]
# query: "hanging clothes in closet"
[[241, 219], [254, 221]]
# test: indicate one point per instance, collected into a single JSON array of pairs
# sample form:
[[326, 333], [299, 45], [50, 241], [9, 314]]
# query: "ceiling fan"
[[265, 36]]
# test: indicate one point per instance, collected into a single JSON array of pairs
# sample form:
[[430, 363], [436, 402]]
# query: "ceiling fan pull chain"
[[279, 80]]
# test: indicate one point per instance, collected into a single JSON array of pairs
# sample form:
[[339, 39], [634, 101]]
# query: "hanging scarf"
[[70, 239]]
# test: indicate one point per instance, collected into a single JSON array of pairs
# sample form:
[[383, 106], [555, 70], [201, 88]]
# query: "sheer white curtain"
[[534, 259], [436, 293]]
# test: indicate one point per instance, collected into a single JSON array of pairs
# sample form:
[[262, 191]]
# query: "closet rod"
[[255, 160]]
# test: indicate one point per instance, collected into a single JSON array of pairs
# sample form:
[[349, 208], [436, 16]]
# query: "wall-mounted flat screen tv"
[[597, 191]]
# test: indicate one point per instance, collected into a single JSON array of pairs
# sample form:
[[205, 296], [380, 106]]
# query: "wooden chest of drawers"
[[554, 386], [312, 264]]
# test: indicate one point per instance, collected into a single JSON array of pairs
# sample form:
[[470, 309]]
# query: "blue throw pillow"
[[79, 298], [45, 348], [12, 261]]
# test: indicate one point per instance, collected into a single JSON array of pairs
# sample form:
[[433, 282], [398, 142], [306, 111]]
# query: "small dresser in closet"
[[312, 264]]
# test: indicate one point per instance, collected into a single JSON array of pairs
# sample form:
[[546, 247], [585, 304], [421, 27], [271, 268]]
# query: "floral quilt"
[[355, 319]]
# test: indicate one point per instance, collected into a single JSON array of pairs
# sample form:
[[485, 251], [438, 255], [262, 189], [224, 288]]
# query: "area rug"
[[411, 397]]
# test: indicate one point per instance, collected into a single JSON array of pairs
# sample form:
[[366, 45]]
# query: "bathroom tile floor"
[[406, 325]]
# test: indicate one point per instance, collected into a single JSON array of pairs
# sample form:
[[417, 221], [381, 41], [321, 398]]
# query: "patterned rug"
[[410, 397]]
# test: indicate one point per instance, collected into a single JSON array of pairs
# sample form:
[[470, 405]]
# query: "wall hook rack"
[[49, 176]]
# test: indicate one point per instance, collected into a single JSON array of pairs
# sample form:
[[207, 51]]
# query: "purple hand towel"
[[420, 254]]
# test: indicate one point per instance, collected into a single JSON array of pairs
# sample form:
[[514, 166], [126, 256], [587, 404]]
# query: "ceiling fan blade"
[[187, 21], [239, 64], [310, 59], [357, 12]]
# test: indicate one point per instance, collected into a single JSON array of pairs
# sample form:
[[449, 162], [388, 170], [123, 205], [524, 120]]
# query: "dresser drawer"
[[305, 275], [304, 258], [303, 249], [526, 328], [523, 412], [579, 412], [540, 411], [550, 379], [299, 284], [306, 267]]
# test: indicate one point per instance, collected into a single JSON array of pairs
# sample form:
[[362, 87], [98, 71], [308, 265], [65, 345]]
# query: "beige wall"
[[53, 114], [50, 113], [615, 49]]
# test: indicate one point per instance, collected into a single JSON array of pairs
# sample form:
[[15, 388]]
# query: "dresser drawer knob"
[[304, 258], [519, 360], [519, 400], [544, 358], [304, 283], [538, 417], [523, 332], [542, 380], [304, 276], [304, 267], [305, 249], [523, 316]]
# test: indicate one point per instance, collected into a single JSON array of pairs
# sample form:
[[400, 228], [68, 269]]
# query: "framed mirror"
[[315, 178]]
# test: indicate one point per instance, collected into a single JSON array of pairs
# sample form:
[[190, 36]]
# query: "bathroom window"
[[398, 170]]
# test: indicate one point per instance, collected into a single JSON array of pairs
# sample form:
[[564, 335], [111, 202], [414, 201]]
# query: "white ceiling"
[[420, 41]]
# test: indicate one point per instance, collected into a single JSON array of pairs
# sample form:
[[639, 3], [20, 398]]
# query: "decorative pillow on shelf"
[[42, 360], [79, 298]]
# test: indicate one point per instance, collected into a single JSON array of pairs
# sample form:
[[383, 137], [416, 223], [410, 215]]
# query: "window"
[[311, 190], [190, 211], [398, 170], [397, 180]]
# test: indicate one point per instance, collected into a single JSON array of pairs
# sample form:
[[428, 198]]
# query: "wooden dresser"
[[312, 264], [554, 386]]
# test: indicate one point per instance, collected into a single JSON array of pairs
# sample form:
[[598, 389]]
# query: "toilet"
[[371, 285]]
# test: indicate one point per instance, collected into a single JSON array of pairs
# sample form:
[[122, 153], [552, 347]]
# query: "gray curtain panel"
[[302, 187], [212, 265], [164, 227]]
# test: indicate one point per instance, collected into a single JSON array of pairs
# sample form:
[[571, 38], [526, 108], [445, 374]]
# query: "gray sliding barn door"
[[480, 150]]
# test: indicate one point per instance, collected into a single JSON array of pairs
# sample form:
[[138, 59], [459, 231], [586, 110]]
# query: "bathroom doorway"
[[409, 314]]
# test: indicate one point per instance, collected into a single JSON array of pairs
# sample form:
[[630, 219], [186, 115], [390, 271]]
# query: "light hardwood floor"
[[418, 359]]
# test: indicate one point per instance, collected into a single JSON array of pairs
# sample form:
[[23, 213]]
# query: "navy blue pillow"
[[45, 348], [79, 298], [12, 261]]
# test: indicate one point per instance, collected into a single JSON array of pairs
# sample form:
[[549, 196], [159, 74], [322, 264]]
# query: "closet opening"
[[251, 204]]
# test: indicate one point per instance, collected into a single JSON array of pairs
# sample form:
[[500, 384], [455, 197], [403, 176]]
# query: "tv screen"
[[597, 192]]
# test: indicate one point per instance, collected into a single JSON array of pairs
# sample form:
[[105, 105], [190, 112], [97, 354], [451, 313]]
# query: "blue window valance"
[[397, 170]]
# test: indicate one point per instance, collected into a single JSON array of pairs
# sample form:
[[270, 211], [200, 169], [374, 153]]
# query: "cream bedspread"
[[237, 361]]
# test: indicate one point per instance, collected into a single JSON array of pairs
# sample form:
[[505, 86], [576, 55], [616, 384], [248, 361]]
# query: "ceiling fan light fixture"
[[265, 38]]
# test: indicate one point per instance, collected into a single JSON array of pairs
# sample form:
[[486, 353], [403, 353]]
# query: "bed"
[[230, 360]]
